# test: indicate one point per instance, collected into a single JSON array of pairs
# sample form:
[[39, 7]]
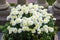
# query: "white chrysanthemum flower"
[[48, 17], [18, 7], [38, 31], [13, 22], [46, 30], [23, 6], [31, 10], [45, 10], [40, 14], [41, 7], [25, 10], [46, 20], [10, 31], [13, 9], [40, 20], [8, 17], [50, 14], [35, 14], [8, 27], [13, 17], [24, 23], [35, 7], [37, 26], [42, 29], [14, 30], [51, 29], [24, 18], [18, 20], [45, 27], [14, 13], [30, 5], [33, 31], [33, 18], [30, 22], [25, 29], [54, 18], [19, 30], [20, 14]]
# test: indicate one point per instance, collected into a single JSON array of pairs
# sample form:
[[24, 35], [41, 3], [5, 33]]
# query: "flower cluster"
[[31, 18]]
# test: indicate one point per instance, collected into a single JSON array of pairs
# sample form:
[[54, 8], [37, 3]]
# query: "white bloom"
[[14, 13], [24, 18], [33, 31], [23, 6], [45, 27], [35, 7], [45, 10], [40, 20], [18, 7], [38, 31], [10, 31], [51, 29], [48, 17], [41, 7], [13, 9], [33, 18], [46, 20], [24, 23], [39, 14], [35, 14], [20, 14], [50, 14], [18, 20], [25, 10], [13, 17], [19, 30], [54, 18], [13, 22], [8, 27], [37, 26], [30, 22], [31, 10], [46, 30], [25, 29], [47, 14], [42, 29], [30, 5], [14, 30], [8, 17]]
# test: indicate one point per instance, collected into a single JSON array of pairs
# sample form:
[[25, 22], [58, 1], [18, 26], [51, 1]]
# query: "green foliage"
[[27, 35], [12, 4], [50, 2]]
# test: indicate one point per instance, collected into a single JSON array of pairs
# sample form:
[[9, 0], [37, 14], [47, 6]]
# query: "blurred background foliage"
[[51, 1]]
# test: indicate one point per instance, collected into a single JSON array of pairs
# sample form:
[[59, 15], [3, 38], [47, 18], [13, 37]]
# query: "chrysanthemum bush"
[[29, 22]]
